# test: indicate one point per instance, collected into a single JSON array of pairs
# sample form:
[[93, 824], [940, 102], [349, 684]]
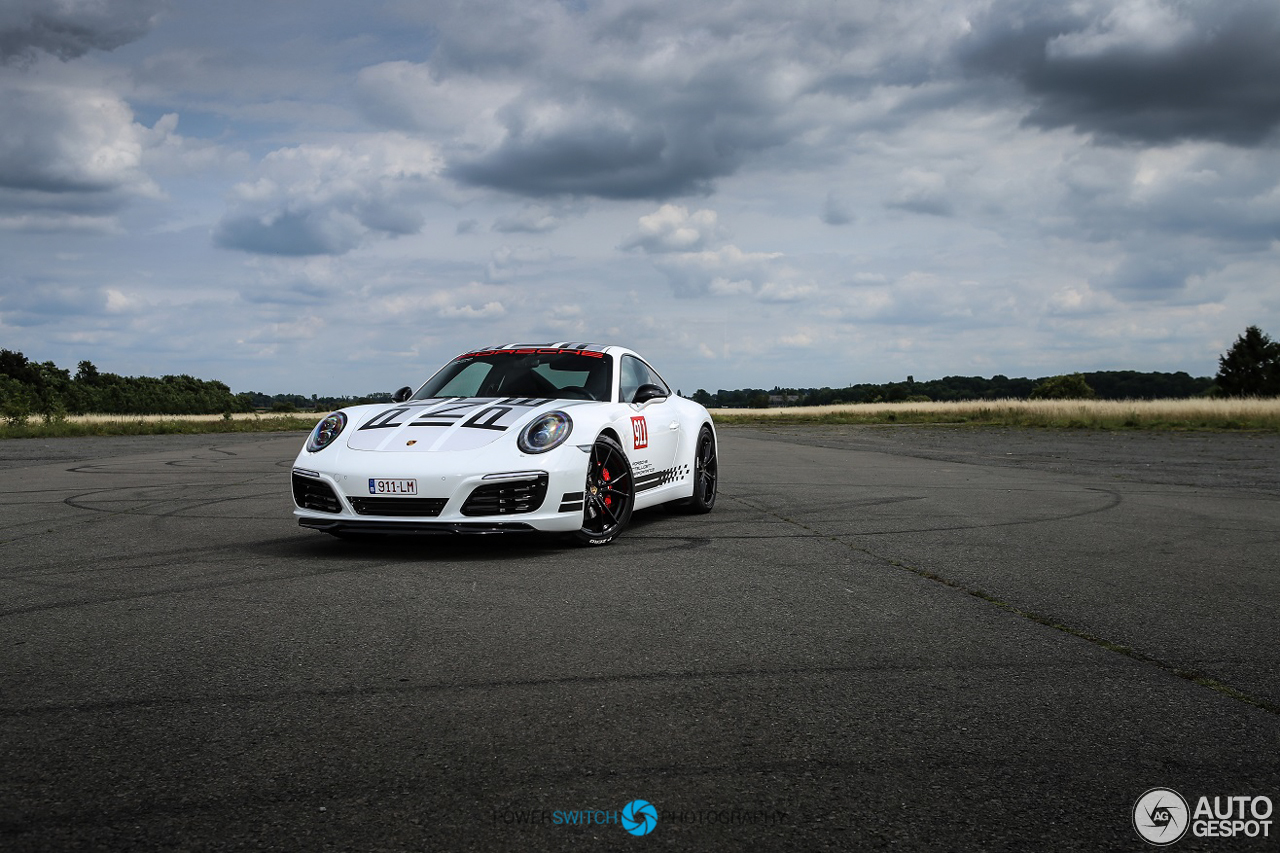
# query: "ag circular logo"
[[639, 817], [1161, 817]]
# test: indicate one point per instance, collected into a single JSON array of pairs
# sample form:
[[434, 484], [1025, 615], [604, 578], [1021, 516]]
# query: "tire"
[[608, 494], [706, 475]]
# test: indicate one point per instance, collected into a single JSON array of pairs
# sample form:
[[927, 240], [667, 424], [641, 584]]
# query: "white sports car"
[[563, 437]]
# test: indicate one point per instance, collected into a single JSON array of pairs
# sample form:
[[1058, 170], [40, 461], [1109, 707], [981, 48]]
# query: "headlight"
[[545, 432], [326, 431]]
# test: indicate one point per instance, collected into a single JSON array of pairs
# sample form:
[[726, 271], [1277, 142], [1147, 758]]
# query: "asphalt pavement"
[[905, 638]]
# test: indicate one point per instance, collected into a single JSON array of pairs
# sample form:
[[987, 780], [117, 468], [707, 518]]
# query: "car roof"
[[610, 349]]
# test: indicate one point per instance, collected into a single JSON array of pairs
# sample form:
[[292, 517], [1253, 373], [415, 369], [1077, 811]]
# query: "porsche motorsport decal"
[[453, 411], [661, 478], [460, 423]]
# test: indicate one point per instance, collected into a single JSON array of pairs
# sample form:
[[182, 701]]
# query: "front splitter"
[[410, 528]]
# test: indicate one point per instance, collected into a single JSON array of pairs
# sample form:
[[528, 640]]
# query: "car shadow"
[[452, 547]]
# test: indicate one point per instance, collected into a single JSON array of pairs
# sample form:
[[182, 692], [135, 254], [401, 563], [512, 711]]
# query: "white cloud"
[[56, 140], [530, 219], [671, 228], [1144, 25], [690, 249], [922, 191], [408, 96], [329, 199], [471, 312]]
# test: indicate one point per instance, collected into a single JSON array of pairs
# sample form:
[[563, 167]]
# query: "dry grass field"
[[1196, 413], [1191, 414], [81, 425], [236, 416]]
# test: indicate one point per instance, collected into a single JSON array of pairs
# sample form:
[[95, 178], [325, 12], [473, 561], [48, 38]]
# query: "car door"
[[655, 427]]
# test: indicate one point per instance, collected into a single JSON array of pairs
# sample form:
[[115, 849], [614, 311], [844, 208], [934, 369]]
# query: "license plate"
[[393, 487]]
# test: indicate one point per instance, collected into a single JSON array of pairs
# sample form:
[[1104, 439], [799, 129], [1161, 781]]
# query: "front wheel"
[[609, 494]]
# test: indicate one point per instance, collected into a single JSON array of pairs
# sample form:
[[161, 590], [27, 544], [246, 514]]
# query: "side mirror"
[[403, 394], [645, 393]]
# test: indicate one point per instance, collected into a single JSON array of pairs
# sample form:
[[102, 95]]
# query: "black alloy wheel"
[[706, 475], [609, 494]]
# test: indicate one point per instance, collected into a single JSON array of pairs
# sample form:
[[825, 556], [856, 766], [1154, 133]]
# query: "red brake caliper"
[[608, 501]]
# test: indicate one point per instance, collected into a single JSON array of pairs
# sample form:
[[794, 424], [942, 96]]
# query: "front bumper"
[[457, 493]]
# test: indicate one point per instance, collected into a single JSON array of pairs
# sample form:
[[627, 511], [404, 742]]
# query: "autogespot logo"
[[1160, 816], [639, 817]]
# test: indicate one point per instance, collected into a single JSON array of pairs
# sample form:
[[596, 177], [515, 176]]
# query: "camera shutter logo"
[[1161, 817], [639, 817]]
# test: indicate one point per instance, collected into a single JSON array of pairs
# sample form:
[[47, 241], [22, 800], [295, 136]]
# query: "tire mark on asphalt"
[[1115, 501], [1192, 675], [608, 679], [362, 559], [175, 590]]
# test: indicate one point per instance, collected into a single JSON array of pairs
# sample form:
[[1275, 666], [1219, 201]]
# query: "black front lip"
[[427, 528]]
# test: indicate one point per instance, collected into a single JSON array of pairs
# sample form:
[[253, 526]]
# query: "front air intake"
[[507, 498], [315, 495]]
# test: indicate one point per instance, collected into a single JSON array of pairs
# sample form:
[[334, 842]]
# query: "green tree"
[[16, 401], [1072, 387], [1251, 368]]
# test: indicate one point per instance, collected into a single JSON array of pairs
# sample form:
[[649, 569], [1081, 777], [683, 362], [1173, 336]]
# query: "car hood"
[[455, 424]]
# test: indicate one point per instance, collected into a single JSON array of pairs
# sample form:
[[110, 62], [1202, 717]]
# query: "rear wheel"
[[706, 475], [609, 494]]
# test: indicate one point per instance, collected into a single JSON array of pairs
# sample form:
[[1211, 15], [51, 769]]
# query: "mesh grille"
[[315, 494], [399, 507], [506, 498]]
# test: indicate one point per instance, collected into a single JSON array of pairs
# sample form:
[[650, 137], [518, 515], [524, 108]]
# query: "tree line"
[[42, 388], [1106, 385], [1251, 367], [29, 388]]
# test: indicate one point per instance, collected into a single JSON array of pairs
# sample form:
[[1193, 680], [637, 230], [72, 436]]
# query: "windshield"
[[538, 373]]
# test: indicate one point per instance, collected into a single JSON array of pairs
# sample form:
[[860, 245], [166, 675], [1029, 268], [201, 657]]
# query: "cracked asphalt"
[[883, 638]]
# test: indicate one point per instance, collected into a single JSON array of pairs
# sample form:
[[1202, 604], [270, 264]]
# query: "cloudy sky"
[[335, 197]]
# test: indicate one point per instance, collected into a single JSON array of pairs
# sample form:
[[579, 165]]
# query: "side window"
[[634, 374]]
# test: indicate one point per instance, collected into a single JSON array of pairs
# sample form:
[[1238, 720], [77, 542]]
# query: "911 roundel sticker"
[[639, 432]]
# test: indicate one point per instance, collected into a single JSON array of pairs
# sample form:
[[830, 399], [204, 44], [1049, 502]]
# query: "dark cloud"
[[293, 233], [835, 211], [328, 200], [70, 28], [623, 101], [1158, 74], [38, 303], [1148, 276], [1229, 196], [640, 161]]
